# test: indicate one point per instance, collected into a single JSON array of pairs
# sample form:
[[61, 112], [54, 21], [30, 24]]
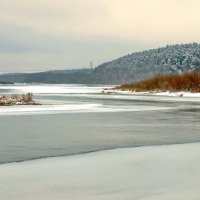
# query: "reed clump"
[[14, 99], [188, 81]]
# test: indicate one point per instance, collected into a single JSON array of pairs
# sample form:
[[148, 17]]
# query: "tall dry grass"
[[189, 81]]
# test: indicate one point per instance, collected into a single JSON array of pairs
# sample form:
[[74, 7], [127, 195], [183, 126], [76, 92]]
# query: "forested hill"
[[129, 68], [141, 65]]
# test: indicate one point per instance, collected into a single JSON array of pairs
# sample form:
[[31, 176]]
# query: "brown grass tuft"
[[189, 81]]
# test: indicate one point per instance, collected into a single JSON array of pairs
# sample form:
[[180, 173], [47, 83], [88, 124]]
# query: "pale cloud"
[[70, 33], [167, 20], [55, 17], [22, 49]]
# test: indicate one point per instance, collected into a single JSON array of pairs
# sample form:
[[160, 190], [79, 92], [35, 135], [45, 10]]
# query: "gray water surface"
[[25, 137]]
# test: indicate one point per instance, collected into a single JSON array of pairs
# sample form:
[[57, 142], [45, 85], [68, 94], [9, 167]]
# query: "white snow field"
[[144, 173], [71, 108], [54, 88]]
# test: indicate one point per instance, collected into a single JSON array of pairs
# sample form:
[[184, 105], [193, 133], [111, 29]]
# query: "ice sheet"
[[54, 89], [71, 108], [144, 173]]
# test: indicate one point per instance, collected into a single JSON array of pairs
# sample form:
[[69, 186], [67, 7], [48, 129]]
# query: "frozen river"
[[76, 119]]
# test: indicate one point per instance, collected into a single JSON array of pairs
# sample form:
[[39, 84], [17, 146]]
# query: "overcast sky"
[[37, 35]]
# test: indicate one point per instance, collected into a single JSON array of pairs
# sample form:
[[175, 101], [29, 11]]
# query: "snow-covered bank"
[[154, 93], [150, 173]]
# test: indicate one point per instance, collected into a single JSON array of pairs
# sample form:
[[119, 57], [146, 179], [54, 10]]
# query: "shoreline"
[[151, 93]]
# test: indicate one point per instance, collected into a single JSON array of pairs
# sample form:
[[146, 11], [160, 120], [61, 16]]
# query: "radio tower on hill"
[[91, 65]]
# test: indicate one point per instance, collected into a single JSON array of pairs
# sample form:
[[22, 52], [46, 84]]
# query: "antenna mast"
[[91, 64]]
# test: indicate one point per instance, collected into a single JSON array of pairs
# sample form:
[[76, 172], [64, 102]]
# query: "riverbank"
[[114, 91], [188, 82]]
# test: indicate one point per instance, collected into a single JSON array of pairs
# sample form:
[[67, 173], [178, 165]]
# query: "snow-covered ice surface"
[[54, 88], [44, 92], [71, 108], [143, 173]]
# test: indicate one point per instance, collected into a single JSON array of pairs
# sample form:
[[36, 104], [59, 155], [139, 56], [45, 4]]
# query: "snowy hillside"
[[140, 65]]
